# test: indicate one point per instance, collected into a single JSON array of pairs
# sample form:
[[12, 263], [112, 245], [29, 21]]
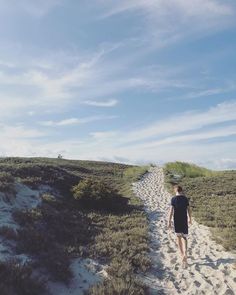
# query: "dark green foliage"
[[8, 232], [48, 231], [6, 182], [94, 194], [213, 202], [57, 262], [117, 286], [18, 279]]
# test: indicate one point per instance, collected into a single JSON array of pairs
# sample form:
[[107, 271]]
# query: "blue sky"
[[134, 81]]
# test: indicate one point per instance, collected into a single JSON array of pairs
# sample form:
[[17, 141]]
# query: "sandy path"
[[210, 269]]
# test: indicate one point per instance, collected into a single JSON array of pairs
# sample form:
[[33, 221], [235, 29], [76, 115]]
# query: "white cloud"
[[209, 92], [165, 22], [106, 103], [193, 137], [172, 128], [199, 8], [191, 120], [76, 121], [61, 85], [19, 132]]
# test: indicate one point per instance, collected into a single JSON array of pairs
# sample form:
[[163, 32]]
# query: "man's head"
[[178, 189]]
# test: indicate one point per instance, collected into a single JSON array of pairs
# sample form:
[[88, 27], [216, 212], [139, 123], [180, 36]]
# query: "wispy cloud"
[[105, 103], [183, 122], [20, 132], [166, 22], [216, 133], [175, 137], [199, 8], [76, 121], [62, 85]]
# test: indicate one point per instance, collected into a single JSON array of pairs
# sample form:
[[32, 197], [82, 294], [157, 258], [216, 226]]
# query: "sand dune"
[[210, 268]]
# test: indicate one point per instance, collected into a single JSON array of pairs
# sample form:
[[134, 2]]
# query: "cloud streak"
[[75, 121], [167, 22], [105, 103]]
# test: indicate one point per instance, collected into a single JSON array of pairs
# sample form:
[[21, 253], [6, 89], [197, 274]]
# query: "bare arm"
[[171, 216], [189, 215]]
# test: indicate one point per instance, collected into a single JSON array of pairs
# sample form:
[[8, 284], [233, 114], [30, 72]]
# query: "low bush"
[[94, 194], [8, 232], [117, 286], [33, 240], [48, 198], [57, 262], [18, 279], [6, 182]]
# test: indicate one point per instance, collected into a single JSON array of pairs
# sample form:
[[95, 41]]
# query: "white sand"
[[86, 273], [23, 198], [210, 268]]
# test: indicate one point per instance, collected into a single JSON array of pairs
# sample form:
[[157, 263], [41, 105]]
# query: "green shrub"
[[6, 182], [57, 262], [119, 286], [95, 194], [26, 217], [183, 169], [8, 232], [48, 198], [18, 279], [32, 240]]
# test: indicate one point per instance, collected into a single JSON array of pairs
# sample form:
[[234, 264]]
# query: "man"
[[181, 211]]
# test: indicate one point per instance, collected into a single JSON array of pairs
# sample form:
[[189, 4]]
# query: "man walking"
[[181, 211]]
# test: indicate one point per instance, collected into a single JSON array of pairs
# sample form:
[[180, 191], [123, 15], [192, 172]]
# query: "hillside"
[[212, 197], [80, 227], [55, 239]]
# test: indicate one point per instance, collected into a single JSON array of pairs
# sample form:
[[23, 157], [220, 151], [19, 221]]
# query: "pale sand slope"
[[210, 268]]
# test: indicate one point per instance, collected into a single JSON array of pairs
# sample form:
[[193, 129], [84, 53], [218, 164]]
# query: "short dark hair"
[[178, 188]]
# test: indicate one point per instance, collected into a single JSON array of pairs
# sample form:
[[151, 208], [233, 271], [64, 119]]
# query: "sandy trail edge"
[[210, 269]]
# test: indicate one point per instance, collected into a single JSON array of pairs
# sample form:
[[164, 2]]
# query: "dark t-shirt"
[[180, 204]]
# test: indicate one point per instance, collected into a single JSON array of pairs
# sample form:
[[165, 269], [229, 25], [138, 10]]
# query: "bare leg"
[[185, 253], [185, 247], [180, 245]]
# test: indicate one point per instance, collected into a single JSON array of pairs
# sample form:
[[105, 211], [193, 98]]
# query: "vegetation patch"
[[181, 169], [16, 278], [96, 216], [213, 199]]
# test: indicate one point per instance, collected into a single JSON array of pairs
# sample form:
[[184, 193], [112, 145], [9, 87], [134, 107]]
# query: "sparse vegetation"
[[119, 287], [213, 198], [16, 278], [95, 216], [6, 182], [181, 169]]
